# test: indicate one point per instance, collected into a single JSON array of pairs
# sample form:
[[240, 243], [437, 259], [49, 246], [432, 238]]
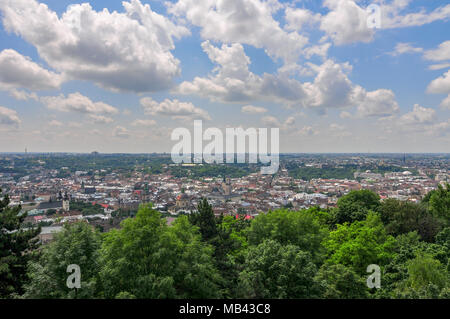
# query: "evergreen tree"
[[205, 220], [16, 243]]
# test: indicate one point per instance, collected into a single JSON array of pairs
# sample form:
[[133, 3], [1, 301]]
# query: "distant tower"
[[404, 158], [226, 186], [66, 203]]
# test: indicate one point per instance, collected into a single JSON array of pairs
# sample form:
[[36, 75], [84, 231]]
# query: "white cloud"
[[76, 102], [440, 85], [346, 22], [439, 66], [445, 104], [392, 17], [288, 125], [319, 50], [23, 95], [251, 109], [55, 123], [307, 131], [127, 51], [233, 82], [345, 115], [144, 123], [9, 117], [296, 18], [379, 103], [442, 53], [419, 115], [121, 132], [242, 21], [404, 48], [174, 108], [18, 71], [100, 119]]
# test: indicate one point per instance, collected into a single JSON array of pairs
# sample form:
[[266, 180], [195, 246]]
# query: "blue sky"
[[76, 78]]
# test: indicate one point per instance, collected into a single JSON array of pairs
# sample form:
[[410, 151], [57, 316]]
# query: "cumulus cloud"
[[18, 71], [173, 108], [232, 81], [297, 18], [445, 104], [251, 109], [76, 102], [346, 22], [127, 51], [379, 103], [9, 117], [440, 85], [242, 21], [419, 115]]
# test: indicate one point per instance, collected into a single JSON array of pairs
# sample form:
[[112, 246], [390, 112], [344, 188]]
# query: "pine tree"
[[205, 220], [16, 243]]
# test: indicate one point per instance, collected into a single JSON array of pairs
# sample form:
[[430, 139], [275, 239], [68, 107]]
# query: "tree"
[[403, 217], [78, 244], [300, 228], [427, 278], [356, 205], [341, 282], [205, 220], [148, 259], [360, 244], [272, 270], [16, 243], [438, 201]]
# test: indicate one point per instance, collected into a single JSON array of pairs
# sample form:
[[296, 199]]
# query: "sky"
[[118, 76]]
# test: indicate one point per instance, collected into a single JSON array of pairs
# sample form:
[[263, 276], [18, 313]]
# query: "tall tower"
[[66, 203], [226, 186]]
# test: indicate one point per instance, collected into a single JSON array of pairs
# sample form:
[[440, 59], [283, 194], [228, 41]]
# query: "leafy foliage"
[[356, 205], [272, 270], [77, 244]]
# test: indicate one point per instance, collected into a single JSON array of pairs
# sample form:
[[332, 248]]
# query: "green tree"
[[205, 219], [438, 201], [341, 282], [360, 244], [301, 228], [16, 243], [78, 244], [403, 217], [272, 270], [427, 278], [356, 205], [148, 259]]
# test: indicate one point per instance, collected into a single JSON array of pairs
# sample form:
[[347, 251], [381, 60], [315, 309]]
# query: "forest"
[[306, 254]]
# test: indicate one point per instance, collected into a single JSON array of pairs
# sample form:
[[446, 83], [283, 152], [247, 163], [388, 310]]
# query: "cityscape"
[[214, 158], [45, 190]]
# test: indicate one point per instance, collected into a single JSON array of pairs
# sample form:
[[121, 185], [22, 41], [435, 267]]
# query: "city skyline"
[[113, 77]]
